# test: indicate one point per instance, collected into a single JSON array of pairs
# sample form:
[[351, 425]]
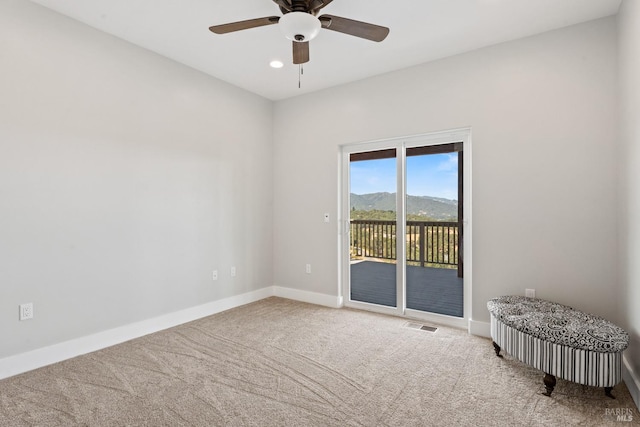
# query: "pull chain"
[[300, 73]]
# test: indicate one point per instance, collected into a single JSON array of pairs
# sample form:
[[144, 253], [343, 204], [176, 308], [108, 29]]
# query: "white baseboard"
[[17, 364], [482, 329], [44, 356], [632, 381], [23, 362], [307, 296]]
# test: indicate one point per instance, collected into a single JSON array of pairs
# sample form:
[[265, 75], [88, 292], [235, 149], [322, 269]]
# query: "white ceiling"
[[421, 31]]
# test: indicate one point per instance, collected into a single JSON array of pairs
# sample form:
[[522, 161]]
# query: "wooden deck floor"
[[435, 290]]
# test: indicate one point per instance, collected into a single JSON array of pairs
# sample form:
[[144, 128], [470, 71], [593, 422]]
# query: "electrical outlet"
[[26, 311], [233, 272], [214, 275], [308, 268], [531, 293]]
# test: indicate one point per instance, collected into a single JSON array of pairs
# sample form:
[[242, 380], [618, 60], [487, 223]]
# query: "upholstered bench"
[[558, 340]]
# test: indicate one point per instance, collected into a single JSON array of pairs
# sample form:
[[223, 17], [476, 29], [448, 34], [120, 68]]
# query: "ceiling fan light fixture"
[[299, 26]]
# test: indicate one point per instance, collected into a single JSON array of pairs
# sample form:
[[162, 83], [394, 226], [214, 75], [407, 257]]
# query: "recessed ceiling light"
[[276, 64]]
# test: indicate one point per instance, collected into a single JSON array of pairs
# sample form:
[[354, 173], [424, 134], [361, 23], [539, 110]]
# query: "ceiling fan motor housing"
[[299, 26]]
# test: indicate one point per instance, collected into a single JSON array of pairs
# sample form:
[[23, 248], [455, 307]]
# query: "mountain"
[[431, 207]]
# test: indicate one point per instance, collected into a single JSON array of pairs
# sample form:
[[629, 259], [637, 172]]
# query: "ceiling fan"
[[300, 24]]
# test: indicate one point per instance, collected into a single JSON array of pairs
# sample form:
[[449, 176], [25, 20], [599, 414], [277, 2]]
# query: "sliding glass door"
[[373, 227], [403, 239], [434, 281]]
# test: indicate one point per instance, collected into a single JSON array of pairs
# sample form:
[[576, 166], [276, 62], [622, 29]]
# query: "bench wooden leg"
[[549, 383], [496, 347], [607, 392]]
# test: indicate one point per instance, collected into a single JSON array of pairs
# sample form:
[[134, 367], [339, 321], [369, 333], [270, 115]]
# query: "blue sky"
[[433, 175]]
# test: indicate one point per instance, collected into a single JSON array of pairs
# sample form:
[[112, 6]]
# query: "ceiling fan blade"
[[300, 52], [360, 29], [244, 25]]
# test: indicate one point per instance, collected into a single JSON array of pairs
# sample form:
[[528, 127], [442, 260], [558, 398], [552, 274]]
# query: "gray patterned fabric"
[[559, 324]]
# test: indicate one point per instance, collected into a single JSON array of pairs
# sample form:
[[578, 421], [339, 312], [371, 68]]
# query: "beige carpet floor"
[[283, 363]]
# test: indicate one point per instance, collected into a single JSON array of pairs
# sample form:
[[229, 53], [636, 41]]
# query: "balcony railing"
[[429, 243]]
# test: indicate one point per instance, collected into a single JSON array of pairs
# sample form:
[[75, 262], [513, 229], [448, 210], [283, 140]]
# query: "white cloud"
[[450, 164]]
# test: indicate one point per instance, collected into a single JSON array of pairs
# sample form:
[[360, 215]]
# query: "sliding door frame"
[[401, 145]]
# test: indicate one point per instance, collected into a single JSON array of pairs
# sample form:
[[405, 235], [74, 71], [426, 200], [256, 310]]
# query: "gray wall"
[[543, 117], [629, 297], [125, 179]]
